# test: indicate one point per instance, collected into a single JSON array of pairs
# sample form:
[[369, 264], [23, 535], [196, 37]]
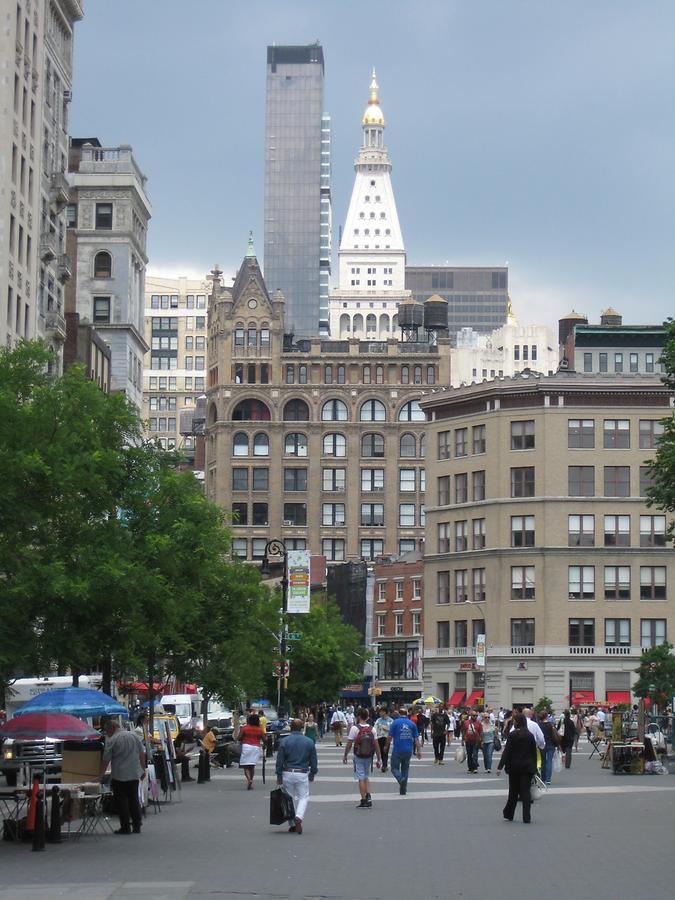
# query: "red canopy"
[[138, 687], [476, 695], [456, 698], [39, 726], [582, 697], [614, 698]]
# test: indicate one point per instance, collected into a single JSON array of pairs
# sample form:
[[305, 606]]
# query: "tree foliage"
[[656, 674], [662, 492]]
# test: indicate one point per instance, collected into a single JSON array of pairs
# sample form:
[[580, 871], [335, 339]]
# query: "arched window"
[[394, 323], [334, 411], [239, 334], [423, 445], [411, 412], [213, 414], [372, 445], [265, 334], [295, 444], [431, 374], [379, 375], [302, 374], [334, 444], [340, 374], [328, 374], [405, 375], [103, 265], [296, 411], [373, 411], [240, 444], [417, 375], [384, 325], [344, 325], [251, 411], [365, 378], [261, 445], [252, 332], [371, 325], [408, 445], [357, 325]]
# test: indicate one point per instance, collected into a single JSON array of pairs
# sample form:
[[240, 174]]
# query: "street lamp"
[[277, 548]]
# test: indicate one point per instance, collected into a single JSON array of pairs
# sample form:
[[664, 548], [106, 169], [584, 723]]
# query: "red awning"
[[456, 698], [474, 697], [614, 698], [138, 687], [582, 697]]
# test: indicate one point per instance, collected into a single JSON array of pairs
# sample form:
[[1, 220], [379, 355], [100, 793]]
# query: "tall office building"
[[36, 46], [297, 186]]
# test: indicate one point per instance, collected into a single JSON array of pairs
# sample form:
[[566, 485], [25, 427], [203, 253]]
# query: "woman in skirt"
[[250, 736]]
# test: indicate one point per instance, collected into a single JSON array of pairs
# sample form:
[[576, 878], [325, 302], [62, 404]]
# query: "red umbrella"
[[40, 725]]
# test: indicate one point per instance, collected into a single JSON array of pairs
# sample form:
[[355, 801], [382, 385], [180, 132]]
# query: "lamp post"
[[277, 548]]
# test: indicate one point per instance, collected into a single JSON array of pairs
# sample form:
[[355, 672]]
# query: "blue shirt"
[[296, 752], [403, 733]]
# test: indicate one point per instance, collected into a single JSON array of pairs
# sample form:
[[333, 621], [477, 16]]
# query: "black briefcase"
[[281, 807]]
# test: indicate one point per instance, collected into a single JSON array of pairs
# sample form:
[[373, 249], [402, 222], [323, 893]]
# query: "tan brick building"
[[539, 536], [318, 442]]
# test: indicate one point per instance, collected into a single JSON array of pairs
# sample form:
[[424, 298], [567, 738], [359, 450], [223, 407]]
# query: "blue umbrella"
[[82, 702]]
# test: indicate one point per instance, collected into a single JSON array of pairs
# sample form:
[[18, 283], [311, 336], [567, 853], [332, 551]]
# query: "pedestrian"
[[472, 738], [310, 729], [404, 735], [296, 767], [567, 738], [578, 726], [520, 761], [552, 742], [362, 738], [125, 754], [209, 744], [441, 734], [321, 721], [251, 737], [382, 725], [337, 723], [180, 746], [488, 741]]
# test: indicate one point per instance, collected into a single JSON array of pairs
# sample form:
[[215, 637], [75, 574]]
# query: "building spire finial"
[[250, 253]]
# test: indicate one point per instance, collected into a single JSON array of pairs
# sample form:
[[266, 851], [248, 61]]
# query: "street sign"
[[293, 636], [282, 669]]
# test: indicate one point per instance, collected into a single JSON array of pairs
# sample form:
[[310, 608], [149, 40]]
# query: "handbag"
[[537, 788], [557, 761], [282, 808], [497, 742], [460, 754]]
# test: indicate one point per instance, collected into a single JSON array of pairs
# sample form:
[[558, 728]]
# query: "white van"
[[186, 708]]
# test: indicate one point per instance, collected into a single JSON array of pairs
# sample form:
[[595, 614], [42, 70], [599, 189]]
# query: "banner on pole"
[[480, 650], [298, 588]]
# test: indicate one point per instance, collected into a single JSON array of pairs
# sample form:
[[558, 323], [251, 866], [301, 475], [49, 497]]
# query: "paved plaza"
[[596, 836]]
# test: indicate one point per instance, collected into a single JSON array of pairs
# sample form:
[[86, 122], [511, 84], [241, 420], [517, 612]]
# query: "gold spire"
[[373, 114], [374, 88]]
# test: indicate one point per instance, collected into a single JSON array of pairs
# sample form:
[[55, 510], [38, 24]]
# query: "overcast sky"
[[536, 132]]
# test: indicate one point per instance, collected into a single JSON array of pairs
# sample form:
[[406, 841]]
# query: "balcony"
[[566, 651], [48, 249], [55, 325], [64, 268], [58, 190]]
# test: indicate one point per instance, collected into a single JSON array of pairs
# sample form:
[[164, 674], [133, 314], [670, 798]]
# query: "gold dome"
[[373, 114]]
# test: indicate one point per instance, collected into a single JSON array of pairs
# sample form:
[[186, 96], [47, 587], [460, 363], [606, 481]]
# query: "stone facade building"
[[539, 536]]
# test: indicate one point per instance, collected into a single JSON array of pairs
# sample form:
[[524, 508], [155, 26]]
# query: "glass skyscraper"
[[297, 186]]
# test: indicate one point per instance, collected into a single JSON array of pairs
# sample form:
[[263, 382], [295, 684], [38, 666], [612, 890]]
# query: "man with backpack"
[[362, 738]]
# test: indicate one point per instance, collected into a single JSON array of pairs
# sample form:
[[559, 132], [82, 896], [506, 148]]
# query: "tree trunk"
[[151, 695], [76, 677]]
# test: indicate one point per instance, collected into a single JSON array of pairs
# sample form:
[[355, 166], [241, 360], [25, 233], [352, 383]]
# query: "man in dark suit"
[[520, 761]]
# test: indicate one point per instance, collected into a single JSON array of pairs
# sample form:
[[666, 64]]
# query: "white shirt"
[[338, 716], [534, 729], [601, 715]]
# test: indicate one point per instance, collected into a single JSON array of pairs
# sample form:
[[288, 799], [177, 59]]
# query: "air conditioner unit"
[[289, 522], [67, 96]]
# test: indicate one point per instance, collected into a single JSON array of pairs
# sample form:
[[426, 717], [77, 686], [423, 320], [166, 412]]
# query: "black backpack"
[[364, 745]]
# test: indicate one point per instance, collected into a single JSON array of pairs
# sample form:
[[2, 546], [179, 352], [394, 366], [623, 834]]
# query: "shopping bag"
[[537, 788], [557, 761], [281, 807], [460, 754]]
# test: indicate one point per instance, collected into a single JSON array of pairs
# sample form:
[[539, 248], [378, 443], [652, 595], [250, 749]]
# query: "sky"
[[536, 133]]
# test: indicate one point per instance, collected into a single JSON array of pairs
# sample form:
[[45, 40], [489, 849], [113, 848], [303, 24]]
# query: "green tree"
[[662, 492], [656, 674]]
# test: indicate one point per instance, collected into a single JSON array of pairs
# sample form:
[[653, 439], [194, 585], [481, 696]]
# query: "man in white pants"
[[296, 767]]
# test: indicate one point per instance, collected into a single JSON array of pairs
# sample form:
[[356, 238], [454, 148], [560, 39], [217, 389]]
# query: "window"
[[581, 434], [366, 375], [296, 411], [652, 632], [443, 587], [617, 582], [581, 582], [478, 585], [649, 362], [398, 623], [372, 446], [372, 411], [602, 362], [334, 551], [240, 513], [444, 537], [416, 589], [381, 624], [101, 310], [651, 431], [617, 481], [444, 445], [461, 536], [522, 582], [239, 479], [261, 445], [332, 514], [295, 444], [239, 547], [372, 479], [461, 585], [411, 412], [522, 482], [407, 479], [290, 374], [416, 623], [405, 375], [618, 362], [652, 531], [372, 514], [522, 632], [617, 531], [334, 445], [478, 436], [371, 548], [461, 442], [240, 444], [616, 434], [478, 534], [443, 484], [295, 543], [652, 582], [406, 515], [334, 411], [252, 336], [261, 480], [461, 488], [633, 362], [259, 514], [382, 592], [104, 216], [522, 531], [399, 591], [443, 635], [522, 435], [461, 633], [478, 485], [328, 374], [581, 481], [581, 531], [295, 513], [333, 479], [103, 265], [588, 362], [251, 411], [408, 445], [295, 479], [617, 632], [340, 374], [581, 632], [302, 374], [646, 480]]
